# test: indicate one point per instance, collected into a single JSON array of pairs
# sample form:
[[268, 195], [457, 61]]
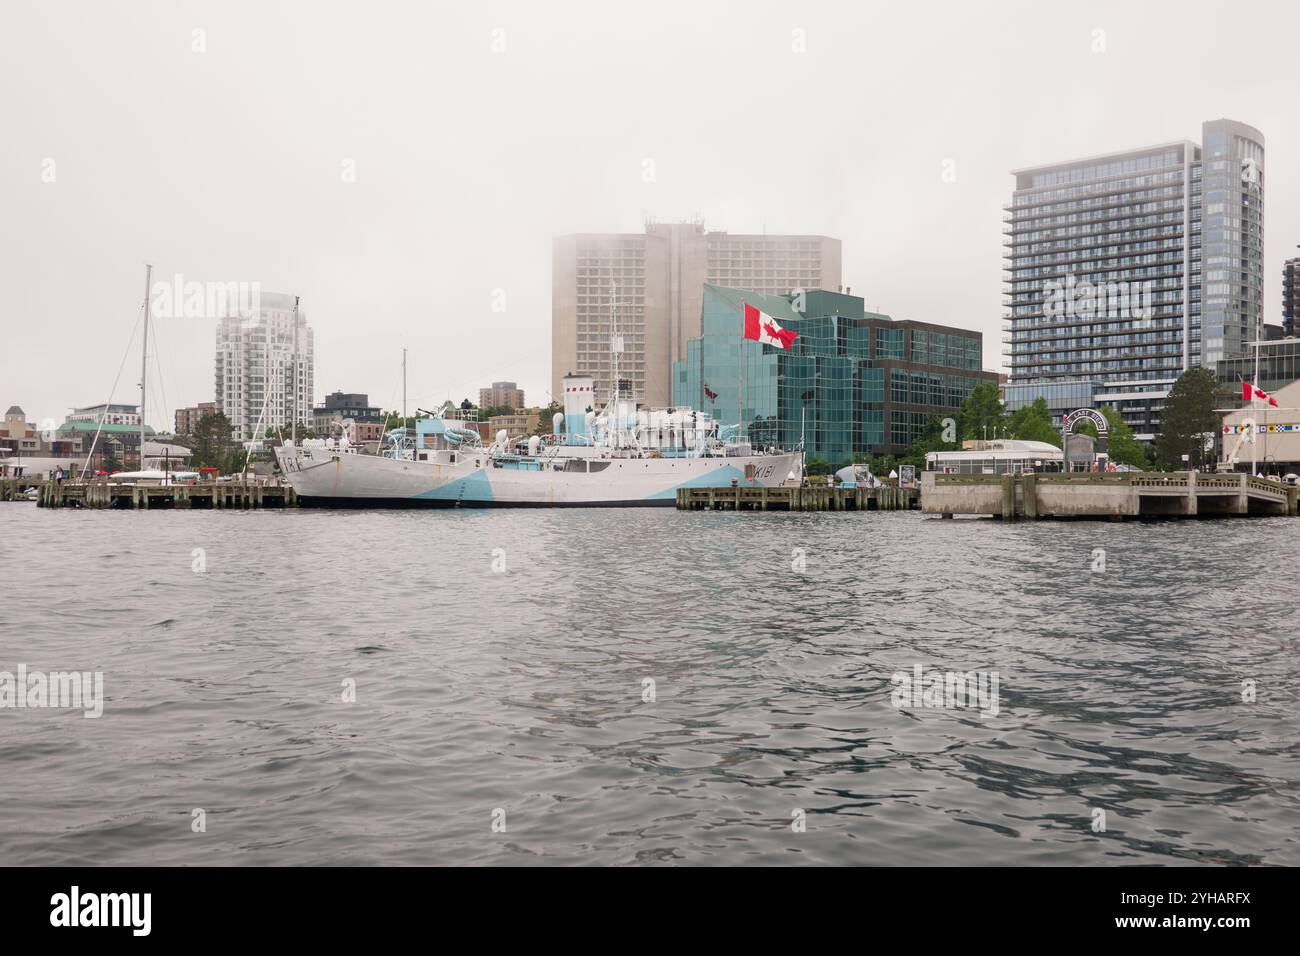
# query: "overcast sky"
[[227, 163]]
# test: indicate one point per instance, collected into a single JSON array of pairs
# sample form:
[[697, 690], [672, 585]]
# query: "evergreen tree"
[[546, 420], [1034, 423], [930, 439], [1188, 420], [213, 444], [982, 414]]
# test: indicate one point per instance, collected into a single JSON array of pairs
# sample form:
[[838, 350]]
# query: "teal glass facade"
[[866, 384]]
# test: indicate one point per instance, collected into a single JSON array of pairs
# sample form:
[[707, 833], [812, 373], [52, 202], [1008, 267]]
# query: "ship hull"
[[339, 480], [308, 501]]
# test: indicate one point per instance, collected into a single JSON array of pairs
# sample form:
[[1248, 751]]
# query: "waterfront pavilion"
[[1277, 443]]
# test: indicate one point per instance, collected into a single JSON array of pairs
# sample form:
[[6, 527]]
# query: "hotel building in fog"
[[1128, 268], [659, 278]]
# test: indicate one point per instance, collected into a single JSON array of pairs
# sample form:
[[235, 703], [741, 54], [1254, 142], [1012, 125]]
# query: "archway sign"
[[1079, 414], [1067, 429]]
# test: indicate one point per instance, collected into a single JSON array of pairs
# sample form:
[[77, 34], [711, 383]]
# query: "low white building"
[[998, 456]]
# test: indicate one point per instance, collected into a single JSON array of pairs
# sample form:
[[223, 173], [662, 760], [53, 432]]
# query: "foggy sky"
[[225, 165]]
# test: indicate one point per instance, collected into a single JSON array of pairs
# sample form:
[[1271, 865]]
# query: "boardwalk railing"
[[797, 498], [1111, 495]]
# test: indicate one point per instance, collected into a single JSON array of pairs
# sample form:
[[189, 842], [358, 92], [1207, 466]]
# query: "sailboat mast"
[[144, 357]]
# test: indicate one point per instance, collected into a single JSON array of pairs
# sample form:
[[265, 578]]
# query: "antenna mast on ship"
[[293, 364], [615, 348], [144, 357]]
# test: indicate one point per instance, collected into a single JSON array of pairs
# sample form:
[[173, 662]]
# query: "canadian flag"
[[1249, 391], [761, 327]]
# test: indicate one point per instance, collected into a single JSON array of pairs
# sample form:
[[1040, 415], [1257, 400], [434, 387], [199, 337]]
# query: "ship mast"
[[144, 357], [615, 348]]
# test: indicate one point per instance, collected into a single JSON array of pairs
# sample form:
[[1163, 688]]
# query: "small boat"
[[154, 477]]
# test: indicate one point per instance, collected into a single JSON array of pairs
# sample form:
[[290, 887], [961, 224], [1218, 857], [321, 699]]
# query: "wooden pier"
[[15, 489], [797, 498], [1113, 495], [100, 493]]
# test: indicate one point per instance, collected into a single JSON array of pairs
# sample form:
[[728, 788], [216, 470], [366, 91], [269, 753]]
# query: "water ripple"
[[648, 687]]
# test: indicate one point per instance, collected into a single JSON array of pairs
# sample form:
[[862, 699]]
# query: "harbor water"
[[605, 686]]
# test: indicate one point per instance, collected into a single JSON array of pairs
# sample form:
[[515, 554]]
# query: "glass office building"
[[1061, 398], [1126, 269], [1279, 365], [854, 382]]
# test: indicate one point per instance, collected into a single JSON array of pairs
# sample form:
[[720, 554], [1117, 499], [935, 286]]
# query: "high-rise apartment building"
[[1128, 268], [501, 394], [1290, 296], [652, 287], [265, 367]]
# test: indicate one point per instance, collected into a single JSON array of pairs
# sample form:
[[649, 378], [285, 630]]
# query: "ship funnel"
[[579, 398]]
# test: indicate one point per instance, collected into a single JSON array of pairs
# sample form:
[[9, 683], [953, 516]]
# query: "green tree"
[[1033, 422], [394, 419], [1188, 420], [982, 414], [213, 444], [286, 431], [817, 466], [930, 439], [546, 420], [233, 462]]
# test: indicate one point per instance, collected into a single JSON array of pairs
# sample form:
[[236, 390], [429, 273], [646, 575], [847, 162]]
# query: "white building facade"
[[108, 414], [265, 368]]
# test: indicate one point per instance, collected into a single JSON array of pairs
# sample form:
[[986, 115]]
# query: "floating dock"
[[247, 494], [796, 498], [1112, 495]]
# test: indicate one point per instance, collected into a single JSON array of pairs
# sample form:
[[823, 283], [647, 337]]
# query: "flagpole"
[[740, 378], [1254, 445]]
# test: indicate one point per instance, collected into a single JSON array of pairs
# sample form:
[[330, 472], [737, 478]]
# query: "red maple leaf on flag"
[[785, 335]]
